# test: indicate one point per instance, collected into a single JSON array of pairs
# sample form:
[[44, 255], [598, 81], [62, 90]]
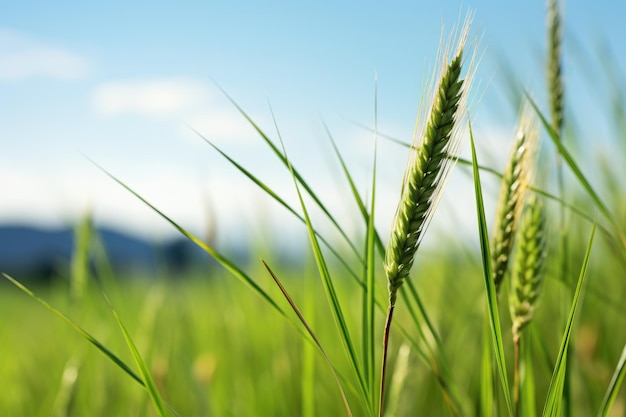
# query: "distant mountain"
[[27, 251]]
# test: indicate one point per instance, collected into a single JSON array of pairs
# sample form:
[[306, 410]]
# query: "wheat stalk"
[[434, 153], [515, 180]]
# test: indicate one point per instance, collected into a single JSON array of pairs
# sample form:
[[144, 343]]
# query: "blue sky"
[[120, 81]]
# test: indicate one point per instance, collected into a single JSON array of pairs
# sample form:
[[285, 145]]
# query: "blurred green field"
[[216, 349]]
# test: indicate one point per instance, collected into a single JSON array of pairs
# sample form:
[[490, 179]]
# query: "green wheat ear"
[[428, 166], [529, 263], [517, 175], [554, 70]]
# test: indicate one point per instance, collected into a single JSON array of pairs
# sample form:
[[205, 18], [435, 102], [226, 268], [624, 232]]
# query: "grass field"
[[526, 319]]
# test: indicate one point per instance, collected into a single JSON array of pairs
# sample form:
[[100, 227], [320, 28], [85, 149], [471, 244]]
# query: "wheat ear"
[[426, 173], [514, 183], [528, 264], [555, 74], [433, 155]]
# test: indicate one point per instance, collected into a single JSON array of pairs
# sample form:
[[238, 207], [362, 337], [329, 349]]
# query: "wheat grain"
[[515, 180]]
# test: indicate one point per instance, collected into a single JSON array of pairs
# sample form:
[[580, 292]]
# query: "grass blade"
[[79, 330], [492, 301], [567, 157], [614, 385], [487, 392], [293, 171], [281, 201], [310, 332], [333, 300], [153, 392], [555, 391], [369, 305], [225, 262]]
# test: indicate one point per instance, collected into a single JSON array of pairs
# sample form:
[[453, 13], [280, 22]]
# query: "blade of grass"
[[487, 392], [333, 299], [225, 262], [554, 397], [153, 392], [614, 386], [567, 157], [369, 307], [282, 157], [492, 301], [79, 330], [310, 332], [281, 201]]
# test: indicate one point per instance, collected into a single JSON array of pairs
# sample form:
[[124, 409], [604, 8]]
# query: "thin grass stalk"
[[369, 305], [425, 176], [515, 180], [554, 397], [555, 94], [527, 277], [492, 297]]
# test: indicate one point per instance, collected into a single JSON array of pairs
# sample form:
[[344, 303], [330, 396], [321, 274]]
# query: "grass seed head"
[[517, 176], [554, 70], [434, 154], [528, 267]]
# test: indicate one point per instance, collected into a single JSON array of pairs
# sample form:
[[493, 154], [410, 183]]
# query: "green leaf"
[[310, 332], [153, 392], [554, 397], [614, 385], [492, 301], [333, 299], [79, 330], [567, 157]]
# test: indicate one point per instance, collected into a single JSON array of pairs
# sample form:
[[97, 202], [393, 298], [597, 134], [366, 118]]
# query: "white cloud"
[[170, 97], [22, 57]]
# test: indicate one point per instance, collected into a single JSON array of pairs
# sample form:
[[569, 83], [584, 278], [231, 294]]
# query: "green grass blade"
[[153, 392], [614, 386], [281, 201], [369, 305], [567, 157], [293, 171], [120, 363], [225, 262], [333, 300], [310, 332], [492, 301], [308, 380], [487, 392], [555, 391]]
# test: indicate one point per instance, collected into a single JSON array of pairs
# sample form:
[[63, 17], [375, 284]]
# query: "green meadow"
[[526, 318]]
